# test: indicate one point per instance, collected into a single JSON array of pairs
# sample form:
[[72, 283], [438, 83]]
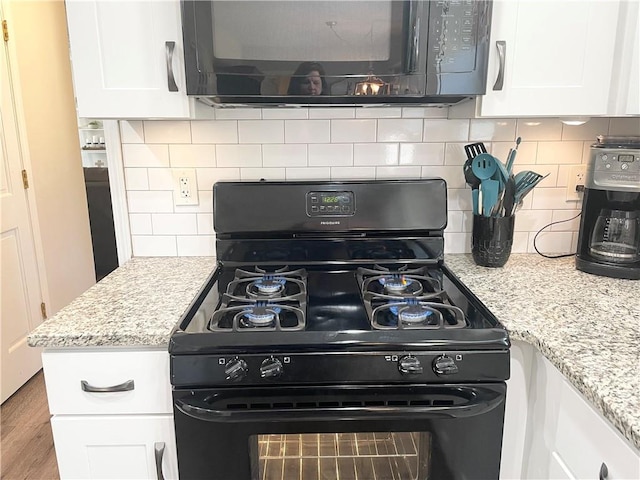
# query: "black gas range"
[[331, 315]]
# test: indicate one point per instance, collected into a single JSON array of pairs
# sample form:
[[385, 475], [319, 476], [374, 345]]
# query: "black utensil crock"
[[492, 240]]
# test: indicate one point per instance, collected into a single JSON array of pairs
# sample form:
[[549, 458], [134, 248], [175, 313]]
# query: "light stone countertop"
[[587, 326]]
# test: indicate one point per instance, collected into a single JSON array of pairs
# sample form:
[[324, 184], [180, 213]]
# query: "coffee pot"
[[609, 235]]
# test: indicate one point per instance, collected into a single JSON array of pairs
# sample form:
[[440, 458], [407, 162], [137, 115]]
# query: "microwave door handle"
[[501, 45], [413, 38], [171, 79]]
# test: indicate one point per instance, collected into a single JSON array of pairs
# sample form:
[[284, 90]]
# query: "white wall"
[[347, 143]]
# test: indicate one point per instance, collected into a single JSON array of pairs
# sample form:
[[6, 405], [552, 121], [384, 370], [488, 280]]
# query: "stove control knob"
[[236, 369], [444, 365], [271, 368], [409, 365]]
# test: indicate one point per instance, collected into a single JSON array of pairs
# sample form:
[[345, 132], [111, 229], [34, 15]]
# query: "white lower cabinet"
[[112, 413], [567, 438], [115, 446]]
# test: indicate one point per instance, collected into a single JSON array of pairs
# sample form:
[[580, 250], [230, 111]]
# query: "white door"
[[115, 446], [123, 60], [558, 58], [20, 284]]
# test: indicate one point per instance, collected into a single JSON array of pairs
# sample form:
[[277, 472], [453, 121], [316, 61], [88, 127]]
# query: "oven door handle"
[[482, 402]]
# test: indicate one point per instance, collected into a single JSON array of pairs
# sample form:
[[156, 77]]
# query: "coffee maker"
[[609, 236]]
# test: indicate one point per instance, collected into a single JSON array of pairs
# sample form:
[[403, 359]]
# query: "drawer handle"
[[159, 452], [171, 79], [604, 471], [123, 387]]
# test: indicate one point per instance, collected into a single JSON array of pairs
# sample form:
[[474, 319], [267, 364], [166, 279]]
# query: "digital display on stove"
[[330, 204], [625, 158]]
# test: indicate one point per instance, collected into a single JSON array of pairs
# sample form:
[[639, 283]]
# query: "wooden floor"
[[27, 444]]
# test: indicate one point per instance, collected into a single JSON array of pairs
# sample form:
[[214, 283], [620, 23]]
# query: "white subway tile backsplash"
[[149, 202], [532, 220], [539, 129], [285, 113], [174, 223], [375, 154], [131, 131], [142, 155], [238, 155], [398, 172], [379, 112], [214, 131], [140, 223], [196, 245], [261, 131], [442, 130], [559, 152], [425, 112], [284, 155], [353, 173], [587, 131], [548, 198], [333, 112], [136, 179], [627, 126], [492, 130], [163, 131], [208, 176], [189, 156], [205, 224], [153, 246], [253, 174], [238, 114], [346, 143], [353, 131], [307, 131], [308, 173], [330, 155], [552, 242], [422, 153], [400, 130], [569, 220]]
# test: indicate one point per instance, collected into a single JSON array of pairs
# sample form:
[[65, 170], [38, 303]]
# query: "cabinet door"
[[115, 446], [558, 58], [122, 58]]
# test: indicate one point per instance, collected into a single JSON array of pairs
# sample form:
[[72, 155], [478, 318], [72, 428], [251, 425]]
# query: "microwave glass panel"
[[324, 31], [374, 455]]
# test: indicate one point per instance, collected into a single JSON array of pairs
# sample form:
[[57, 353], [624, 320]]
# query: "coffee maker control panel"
[[614, 168]]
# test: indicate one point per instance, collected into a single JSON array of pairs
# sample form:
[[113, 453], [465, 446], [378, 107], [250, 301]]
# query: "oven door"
[[409, 432]]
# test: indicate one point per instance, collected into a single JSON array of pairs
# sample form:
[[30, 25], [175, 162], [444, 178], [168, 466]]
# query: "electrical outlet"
[[575, 182], [185, 187]]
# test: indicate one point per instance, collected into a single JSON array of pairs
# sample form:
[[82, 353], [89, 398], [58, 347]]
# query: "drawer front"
[[585, 440], [97, 382]]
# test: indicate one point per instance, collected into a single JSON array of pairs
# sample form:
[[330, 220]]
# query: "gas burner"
[[400, 284], [258, 316], [267, 286], [414, 314], [263, 284]]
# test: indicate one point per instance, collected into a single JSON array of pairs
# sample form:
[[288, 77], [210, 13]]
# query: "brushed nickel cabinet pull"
[[123, 387], [159, 452], [171, 79], [501, 45]]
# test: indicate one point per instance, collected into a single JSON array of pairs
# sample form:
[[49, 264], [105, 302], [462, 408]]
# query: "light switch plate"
[[185, 186]]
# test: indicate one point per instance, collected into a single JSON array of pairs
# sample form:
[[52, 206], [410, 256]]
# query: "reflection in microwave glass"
[[344, 456]]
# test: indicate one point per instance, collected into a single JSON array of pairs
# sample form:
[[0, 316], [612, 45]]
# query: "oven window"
[[342, 456]]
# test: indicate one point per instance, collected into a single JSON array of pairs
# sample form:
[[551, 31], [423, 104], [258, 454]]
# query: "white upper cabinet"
[[556, 58], [127, 58]]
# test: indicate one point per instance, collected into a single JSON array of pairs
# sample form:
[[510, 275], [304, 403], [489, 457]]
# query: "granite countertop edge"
[[90, 320]]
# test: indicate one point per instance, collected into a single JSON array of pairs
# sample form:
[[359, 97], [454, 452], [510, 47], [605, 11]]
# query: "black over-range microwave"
[[301, 52]]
